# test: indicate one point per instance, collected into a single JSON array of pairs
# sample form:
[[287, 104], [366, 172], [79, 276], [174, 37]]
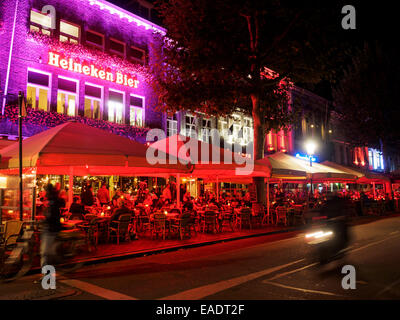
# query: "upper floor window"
[[206, 130], [116, 106], [67, 96], [172, 125], [38, 90], [137, 55], [136, 111], [69, 32], [93, 101], [117, 47], [247, 131], [40, 22], [95, 39], [190, 126]]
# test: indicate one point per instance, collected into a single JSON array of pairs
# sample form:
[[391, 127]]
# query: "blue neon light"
[[313, 159]]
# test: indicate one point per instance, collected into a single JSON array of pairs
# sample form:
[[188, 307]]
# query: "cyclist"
[[51, 225]]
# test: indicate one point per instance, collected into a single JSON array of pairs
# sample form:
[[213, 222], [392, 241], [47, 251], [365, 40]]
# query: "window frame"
[[123, 116], [123, 55], [40, 26], [192, 126], [101, 99], [136, 60], [38, 86], [70, 36], [133, 106], [69, 93], [88, 42]]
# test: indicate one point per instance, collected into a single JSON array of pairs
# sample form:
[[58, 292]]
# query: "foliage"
[[214, 55], [367, 108]]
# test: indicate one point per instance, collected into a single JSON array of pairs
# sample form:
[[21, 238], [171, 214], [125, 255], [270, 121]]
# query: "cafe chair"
[[299, 214], [158, 225], [281, 215], [12, 230], [210, 221], [244, 218], [258, 214], [92, 232], [226, 220], [182, 225], [119, 229]]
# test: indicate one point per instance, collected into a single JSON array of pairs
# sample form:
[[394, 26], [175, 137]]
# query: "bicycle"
[[69, 244]]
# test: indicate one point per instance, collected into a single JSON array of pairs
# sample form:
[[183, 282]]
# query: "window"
[[247, 131], [117, 47], [38, 89], [67, 102], [95, 39], [40, 22], [190, 126], [206, 130], [93, 99], [115, 106], [69, 32], [172, 125], [137, 55], [136, 111], [223, 127]]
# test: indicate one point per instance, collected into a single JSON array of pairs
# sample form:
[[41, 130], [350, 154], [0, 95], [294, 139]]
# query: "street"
[[261, 268]]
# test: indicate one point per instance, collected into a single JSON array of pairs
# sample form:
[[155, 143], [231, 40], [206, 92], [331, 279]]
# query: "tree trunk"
[[258, 145]]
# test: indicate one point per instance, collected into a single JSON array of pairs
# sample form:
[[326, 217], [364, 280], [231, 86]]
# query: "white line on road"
[[207, 290], [302, 290], [96, 290], [388, 288]]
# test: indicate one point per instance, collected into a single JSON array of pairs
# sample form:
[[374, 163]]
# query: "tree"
[[367, 107], [214, 58]]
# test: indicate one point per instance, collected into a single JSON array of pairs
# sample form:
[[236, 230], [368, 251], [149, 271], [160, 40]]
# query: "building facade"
[[78, 58]]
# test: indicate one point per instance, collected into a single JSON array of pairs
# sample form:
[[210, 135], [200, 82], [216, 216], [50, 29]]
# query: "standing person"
[[167, 194], [52, 225], [103, 195], [87, 197]]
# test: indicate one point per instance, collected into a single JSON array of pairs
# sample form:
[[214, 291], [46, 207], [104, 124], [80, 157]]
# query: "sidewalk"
[[146, 246]]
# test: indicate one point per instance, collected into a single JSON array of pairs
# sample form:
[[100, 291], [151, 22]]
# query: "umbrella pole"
[[71, 188], [217, 189], [373, 186], [178, 190], [20, 98], [268, 199]]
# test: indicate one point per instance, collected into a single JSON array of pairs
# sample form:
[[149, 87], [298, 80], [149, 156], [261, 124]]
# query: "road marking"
[[372, 244], [96, 290], [207, 290], [394, 232], [301, 289], [280, 275], [388, 288]]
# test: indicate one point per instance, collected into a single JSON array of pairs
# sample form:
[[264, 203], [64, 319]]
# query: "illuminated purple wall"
[[28, 53]]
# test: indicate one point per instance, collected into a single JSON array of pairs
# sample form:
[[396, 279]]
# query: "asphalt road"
[[261, 268]]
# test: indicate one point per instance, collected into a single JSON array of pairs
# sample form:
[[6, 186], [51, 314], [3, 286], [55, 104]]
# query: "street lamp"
[[310, 148]]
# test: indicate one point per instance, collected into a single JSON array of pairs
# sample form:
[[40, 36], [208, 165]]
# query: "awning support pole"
[[71, 187], [178, 190], [217, 189], [268, 200]]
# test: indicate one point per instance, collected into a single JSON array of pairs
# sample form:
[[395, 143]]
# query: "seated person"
[[77, 210], [120, 210]]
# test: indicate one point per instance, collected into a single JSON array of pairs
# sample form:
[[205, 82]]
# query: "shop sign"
[[91, 70]]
